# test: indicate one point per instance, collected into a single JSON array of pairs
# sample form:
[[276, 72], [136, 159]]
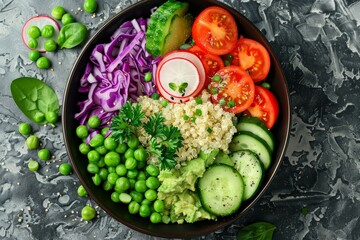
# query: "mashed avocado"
[[177, 190]]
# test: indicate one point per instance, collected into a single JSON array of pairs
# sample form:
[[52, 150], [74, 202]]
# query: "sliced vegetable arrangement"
[[177, 121]]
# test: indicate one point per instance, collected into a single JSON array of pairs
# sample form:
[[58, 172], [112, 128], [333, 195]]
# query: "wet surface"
[[316, 192]]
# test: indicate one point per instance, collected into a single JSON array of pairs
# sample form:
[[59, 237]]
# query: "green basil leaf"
[[173, 86], [34, 98], [71, 35], [184, 85], [257, 231]]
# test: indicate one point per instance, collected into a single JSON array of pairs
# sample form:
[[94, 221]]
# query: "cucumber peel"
[[168, 29]]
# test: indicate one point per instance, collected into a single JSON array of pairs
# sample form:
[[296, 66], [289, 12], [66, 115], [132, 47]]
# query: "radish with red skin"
[[40, 22], [189, 62]]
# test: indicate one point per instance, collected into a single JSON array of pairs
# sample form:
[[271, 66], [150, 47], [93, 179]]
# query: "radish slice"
[[40, 22], [176, 68]]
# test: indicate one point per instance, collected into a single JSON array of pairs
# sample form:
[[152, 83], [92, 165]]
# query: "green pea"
[[50, 45], [97, 141], [39, 117], [141, 165], [24, 128], [132, 173], [51, 117], [185, 117], [92, 168], [152, 170], [81, 191], [44, 154], [150, 194], [227, 63], [33, 165], [110, 143], [140, 186], [90, 6], [65, 169], [140, 154], [216, 78], [107, 186], [112, 177], [266, 85], [94, 121], [47, 31], [133, 142], [144, 210], [112, 159], [132, 182], [155, 217], [136, 196], [115, 197], [33, 43], [198, 100], [101, 149], [148, 77], [152, 182], [121, 170], [101, 162], [103, 173], [88, 213], [96, 179], [159, 205], [141, 175], [130, 163], [129, 153], [111, 169], [32, 142], [229, 57], [93, 156], [67, 18], [164, 103], [125, 198], [84, 148], [222, 102], [133, 207], [34, 32], [104, 131], [231, 103], [198, 112], [43, 63], [57, 12], [82, 131], [146, 202], [121, 148], [155, 96], [214, 91], [122, 183], [34, 55]]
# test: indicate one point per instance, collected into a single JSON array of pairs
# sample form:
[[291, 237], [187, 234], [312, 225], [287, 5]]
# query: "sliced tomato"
[[251, 56], [234, 91], [212, 63], [265, 106], [215, 31]]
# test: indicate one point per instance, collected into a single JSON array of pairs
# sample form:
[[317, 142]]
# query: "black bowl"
[[79, 161]]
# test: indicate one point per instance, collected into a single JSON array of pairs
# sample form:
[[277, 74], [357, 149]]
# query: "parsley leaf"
[[155, 124]]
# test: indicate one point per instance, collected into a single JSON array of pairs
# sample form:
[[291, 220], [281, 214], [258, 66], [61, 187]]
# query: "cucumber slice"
[[249, 141], [209, 157], [221, 190], [161, 35], [257, 127], [223, 158], [250, 169]]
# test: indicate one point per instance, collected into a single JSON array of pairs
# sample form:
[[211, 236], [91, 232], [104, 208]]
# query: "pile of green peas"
[[122, 169]]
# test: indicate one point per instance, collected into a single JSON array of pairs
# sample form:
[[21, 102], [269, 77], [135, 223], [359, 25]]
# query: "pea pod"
[[71, 35], [34, 98]]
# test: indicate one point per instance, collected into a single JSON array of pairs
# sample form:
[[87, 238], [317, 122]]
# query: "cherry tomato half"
[[215, 31], [212, 63], [234, 90], [265, 106], [251, 56]]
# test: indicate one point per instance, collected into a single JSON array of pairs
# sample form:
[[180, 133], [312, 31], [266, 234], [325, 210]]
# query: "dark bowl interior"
[[79, 161]]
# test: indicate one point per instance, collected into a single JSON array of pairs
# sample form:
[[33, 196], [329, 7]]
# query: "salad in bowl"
[[173, 118]]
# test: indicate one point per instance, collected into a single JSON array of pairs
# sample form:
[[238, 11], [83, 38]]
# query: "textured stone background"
[[316, 192]]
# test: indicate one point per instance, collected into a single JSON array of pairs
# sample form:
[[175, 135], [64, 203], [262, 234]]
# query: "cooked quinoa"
[[205, 127]]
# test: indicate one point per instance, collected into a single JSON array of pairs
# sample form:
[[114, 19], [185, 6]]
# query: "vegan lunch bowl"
[[176, 116]]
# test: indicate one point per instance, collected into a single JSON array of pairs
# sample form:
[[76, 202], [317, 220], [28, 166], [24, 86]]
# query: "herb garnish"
[[164, 141], [123, 125], [257, 231], [181, 88]]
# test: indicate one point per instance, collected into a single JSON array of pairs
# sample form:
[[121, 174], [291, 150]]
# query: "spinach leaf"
[[71, 35], [257, 231], [34, 98]]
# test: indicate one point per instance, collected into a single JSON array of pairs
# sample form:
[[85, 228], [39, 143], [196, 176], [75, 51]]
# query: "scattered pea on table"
[[65, 169], [57, 12], [88, 213], [50, 45], [44, 154], [47, 31], [24, 128], [34, 55], [67, 18], [32, 142], [43, 63], [34, 32], [90, 6], [33, 165]]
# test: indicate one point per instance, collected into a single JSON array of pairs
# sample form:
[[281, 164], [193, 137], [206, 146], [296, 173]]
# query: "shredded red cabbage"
[[116, 73]]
